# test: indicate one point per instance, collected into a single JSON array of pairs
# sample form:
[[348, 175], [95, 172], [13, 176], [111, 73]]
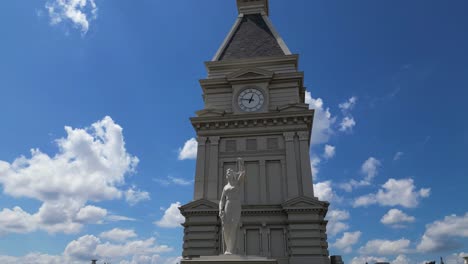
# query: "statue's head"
[[230, 175]]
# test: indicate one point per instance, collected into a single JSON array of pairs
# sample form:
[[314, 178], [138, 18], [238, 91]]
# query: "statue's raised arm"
[[240, 171]]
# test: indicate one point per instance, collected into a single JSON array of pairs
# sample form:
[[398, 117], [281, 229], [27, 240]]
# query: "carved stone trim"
[[201, 141], [289, 136], [214, 140], [303, 135]]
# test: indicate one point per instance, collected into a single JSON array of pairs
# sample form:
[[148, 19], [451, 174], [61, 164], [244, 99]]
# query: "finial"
[[253, 7]]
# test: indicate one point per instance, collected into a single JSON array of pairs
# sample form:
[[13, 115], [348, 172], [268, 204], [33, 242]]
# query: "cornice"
[[251, 62], [253, 120]]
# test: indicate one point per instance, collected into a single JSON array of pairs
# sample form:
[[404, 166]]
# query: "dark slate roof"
[[252, 38]]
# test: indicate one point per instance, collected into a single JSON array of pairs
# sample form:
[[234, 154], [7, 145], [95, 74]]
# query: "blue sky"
[[106, 88]]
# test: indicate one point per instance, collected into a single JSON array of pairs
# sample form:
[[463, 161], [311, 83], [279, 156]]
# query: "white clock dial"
[[250, 100]]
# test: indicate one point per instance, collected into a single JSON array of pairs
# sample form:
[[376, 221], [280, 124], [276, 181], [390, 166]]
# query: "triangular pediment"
[[250, 74], [201, 204], [304, 202], [293, 107], [211, 112]]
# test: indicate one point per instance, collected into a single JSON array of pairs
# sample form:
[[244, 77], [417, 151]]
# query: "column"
[[212, 188], [291, 170], [306, 170], [200, 169], [263, 182]]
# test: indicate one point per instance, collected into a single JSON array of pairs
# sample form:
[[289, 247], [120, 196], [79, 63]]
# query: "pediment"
[[304, 202], [293, 107], [210, 112], [249, 74], [201, 204]]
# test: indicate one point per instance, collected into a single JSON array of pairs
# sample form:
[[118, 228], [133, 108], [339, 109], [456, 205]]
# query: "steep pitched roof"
[[252, 38]]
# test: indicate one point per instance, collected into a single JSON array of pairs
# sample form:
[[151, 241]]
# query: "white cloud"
[[33, 258], [172, 217], [398, 155], [323, 120], [455, 258], [443, 234], [133, 196], [385, 247], [346, 242], [90, 166], [87, 247], [179, 181], [347, 124], [91, 214], [395, 217], [370, 169], [324, 192], [367, 259], [189, 151], [335, 224], [173, 180], [348, 105], [395, 192], [314, 164], [402, 259], [118, 234], [329, 151], [78, 12], [16, 221]]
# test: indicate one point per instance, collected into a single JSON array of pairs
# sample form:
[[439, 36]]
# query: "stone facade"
[[281, 217]]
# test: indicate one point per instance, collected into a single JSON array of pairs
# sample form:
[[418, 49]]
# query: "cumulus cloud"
[[324, 192], [90, 166], [77, 12], [347, 124], [189, 151], [455, 258], [385, 247], [348, 105], [323, 120], [314, 164], [87, 247], [367, 259], [395, 218], [444, 234], [118, 234], [395, 192], [329, 151], [370, 169], [134, 196], [346, 242], [16, 221], [335, 221], [172, 217]]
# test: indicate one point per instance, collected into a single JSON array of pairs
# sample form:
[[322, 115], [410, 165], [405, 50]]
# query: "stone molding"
[[252, 120]]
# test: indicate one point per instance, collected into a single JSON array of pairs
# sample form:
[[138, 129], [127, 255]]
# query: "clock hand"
[[250, 100]]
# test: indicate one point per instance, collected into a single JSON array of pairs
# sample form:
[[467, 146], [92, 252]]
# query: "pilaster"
[[306, 170], [200, 169], [291, 165], [212, 183]]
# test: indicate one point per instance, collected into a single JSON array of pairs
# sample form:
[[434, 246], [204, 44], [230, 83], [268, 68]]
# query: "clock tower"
[[254, 108]]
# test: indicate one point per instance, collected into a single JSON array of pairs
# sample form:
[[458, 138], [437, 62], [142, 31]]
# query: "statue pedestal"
[[229, 259]]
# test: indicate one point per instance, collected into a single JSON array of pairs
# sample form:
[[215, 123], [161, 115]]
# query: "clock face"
[[250, 100]]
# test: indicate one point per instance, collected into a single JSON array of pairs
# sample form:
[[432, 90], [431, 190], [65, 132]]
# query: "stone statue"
[[230, 206]]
